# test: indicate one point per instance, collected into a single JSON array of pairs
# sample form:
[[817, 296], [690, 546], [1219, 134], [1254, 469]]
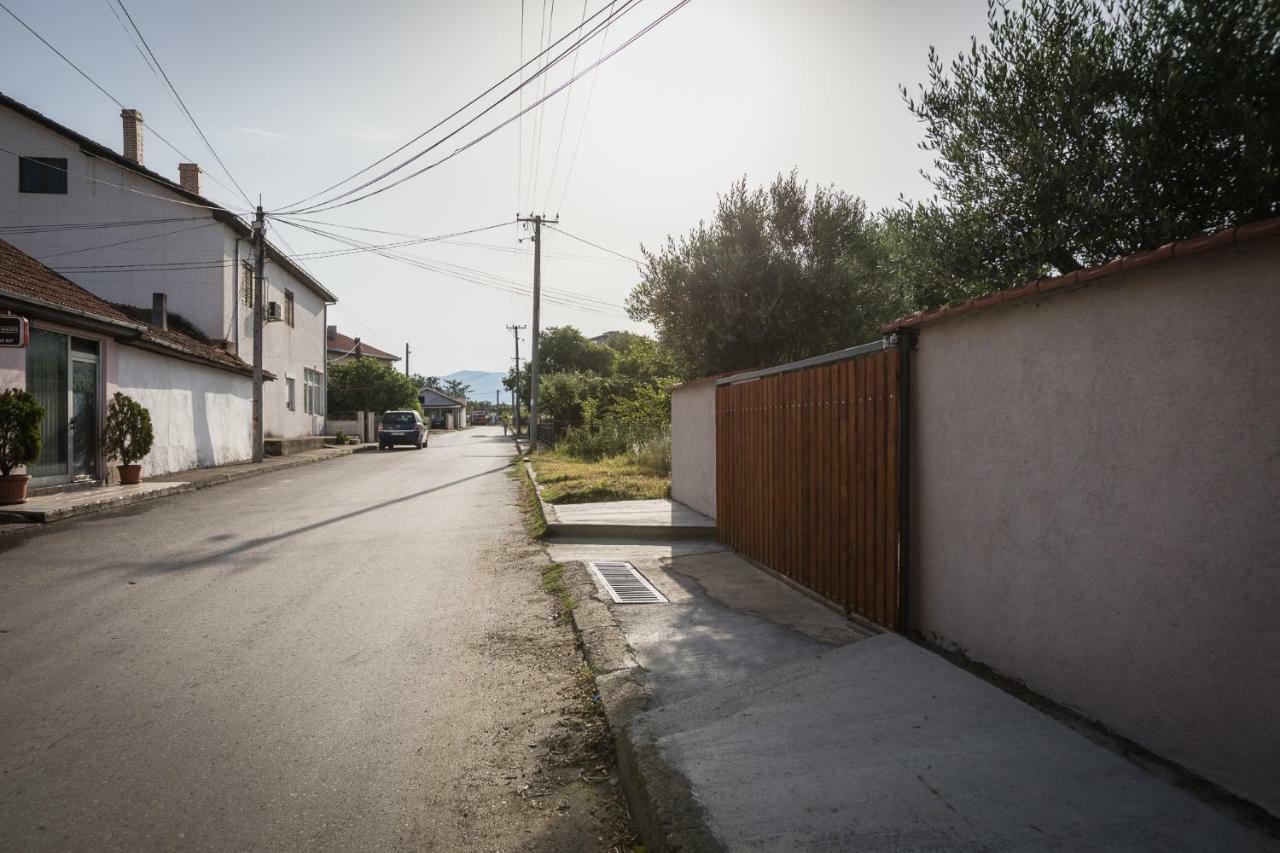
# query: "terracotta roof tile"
[[26, 278], [1265, 229], [341, 343]]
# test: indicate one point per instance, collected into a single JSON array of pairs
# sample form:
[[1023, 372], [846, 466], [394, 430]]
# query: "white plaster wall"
[[202, 416], [693, 446], [288, 351], [197, 294], [1096, 488]]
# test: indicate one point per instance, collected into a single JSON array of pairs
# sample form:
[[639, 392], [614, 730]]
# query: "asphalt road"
[[351, 655]]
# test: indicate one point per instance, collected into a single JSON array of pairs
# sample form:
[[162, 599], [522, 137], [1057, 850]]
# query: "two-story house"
[[128, 235]]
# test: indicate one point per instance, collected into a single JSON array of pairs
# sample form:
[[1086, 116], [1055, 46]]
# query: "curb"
[[563, 529], [17, 526], [666, 813], [557, 529]]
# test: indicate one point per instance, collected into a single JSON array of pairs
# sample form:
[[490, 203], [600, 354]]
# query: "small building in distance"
[[442, 411]]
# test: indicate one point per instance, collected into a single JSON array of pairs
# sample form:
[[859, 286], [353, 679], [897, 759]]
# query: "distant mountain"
[[483, 383]]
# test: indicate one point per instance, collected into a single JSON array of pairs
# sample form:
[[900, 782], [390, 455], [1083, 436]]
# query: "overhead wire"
[[206, 224], [591, 92], [291, 206], [564, 121], [183, 104], [334, 204], [128, 189], [560, 230], [542, 113], [576, 301], [101, 89]]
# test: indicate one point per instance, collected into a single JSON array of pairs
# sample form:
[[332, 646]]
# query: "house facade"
[[125, 233], [83, 349]]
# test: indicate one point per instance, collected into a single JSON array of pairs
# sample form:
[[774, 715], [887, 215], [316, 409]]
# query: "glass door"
[[47, 357], [62, 373], [84, 418]]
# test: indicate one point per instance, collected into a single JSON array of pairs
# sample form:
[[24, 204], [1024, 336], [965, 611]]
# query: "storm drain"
[[624, 583]]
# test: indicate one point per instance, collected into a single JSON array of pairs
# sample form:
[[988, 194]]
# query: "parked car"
[[403, 427], [437, 421]]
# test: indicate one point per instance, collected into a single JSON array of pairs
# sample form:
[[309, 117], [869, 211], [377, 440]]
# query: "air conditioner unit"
[[273, 312]]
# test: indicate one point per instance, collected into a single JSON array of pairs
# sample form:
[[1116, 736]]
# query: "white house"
[[83, 349], [125, 234]]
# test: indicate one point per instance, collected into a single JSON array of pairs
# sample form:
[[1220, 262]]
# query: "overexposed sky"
[[298, 94]]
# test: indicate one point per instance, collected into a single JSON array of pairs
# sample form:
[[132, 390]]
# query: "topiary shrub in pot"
[[128, 436], [20, 416]]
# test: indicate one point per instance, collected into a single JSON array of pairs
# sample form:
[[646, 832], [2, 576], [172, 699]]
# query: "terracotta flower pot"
[[13, 488], [130, 475]]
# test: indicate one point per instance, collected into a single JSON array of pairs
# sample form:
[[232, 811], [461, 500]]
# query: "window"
[[288, 307], [42, 175], [312, 396], [246, 284], [290, 400]]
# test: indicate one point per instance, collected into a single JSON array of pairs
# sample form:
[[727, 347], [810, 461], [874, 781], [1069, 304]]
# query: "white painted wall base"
[[202, 416]]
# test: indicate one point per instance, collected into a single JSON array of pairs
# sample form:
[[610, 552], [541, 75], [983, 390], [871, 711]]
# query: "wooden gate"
[[807, 475]]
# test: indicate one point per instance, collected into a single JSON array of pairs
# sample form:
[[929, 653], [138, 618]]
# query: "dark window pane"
[[42, 175]]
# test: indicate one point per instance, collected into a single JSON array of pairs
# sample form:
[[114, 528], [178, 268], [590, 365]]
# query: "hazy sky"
[[297, 94]]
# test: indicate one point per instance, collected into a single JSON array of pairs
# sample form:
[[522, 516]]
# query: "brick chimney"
[[189, 177], [132, 135], [160, 310]]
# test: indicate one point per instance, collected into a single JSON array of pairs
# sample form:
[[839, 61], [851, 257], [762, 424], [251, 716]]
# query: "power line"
[[83, 226], [594, 245], [523, 82], [576, 301], [542, 112], [333, 203], [206, 224], [126, 189], [99, 87], [564, 121], [591, 92], [183, 104]]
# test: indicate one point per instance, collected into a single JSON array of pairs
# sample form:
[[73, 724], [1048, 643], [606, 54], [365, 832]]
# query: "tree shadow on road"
[[164, 565]]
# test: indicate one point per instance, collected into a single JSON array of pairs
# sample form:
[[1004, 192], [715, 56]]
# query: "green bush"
[[128, 436], [20, 416], [340, 437], [640, 442]]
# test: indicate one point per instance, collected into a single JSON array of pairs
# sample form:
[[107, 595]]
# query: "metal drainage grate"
[[624, 583]]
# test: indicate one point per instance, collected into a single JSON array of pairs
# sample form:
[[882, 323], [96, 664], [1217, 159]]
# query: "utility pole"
[[259, 307], [406, 358], [538, 220], [515, 392]]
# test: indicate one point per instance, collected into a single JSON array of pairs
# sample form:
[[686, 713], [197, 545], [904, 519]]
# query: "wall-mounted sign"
[[14, 331]]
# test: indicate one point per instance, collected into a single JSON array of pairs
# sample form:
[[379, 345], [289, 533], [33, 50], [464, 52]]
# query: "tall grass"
[[638, 443]]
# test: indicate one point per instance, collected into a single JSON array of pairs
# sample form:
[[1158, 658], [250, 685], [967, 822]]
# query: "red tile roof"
[[25, 278], [1267, 228], [345, 344]]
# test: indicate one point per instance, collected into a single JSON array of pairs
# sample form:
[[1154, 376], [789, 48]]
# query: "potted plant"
[[20, 416], [128, 436]]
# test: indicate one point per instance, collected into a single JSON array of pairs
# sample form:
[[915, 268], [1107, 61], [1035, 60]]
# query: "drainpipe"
[[906, 341]]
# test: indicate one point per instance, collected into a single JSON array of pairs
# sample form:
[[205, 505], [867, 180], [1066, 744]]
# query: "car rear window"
[[399, 419]]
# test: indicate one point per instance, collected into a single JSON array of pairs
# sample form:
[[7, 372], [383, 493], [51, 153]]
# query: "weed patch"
[[568, 480]]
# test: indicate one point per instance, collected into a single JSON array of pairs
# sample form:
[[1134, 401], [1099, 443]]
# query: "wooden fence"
[[807, 476]]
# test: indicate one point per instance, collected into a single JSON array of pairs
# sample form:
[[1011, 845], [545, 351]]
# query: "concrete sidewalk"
[[630, 520], [751, 717], [60, 506]]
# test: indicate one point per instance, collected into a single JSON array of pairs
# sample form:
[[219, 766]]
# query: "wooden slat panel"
[[807, 478]]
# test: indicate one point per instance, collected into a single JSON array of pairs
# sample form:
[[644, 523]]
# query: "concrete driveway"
[[353, 655]]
